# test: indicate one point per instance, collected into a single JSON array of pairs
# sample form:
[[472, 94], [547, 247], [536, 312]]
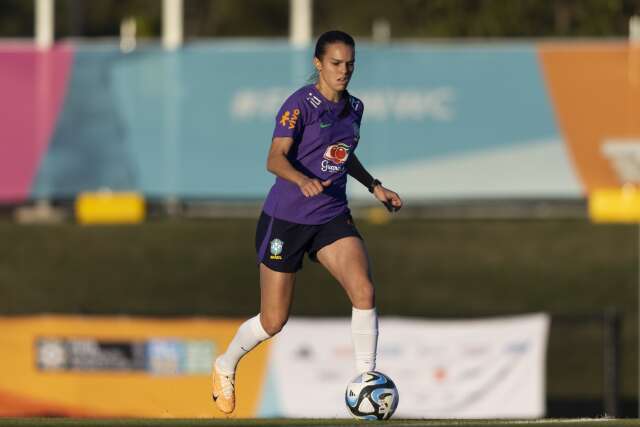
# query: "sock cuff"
[[257, 329], [363, 311], [222, 366], [364, 321]]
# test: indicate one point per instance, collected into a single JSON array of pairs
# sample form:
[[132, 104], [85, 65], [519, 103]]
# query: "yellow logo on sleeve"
[[285, 118], [289, 120]]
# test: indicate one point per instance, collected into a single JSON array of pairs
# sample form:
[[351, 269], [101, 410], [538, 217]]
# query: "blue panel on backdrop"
[[430, 101]]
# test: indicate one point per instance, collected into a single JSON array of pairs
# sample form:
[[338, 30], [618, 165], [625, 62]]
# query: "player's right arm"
[[289, 126], [279, 165]]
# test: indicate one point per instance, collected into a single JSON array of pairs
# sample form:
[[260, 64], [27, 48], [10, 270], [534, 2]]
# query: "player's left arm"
[[389, 198]]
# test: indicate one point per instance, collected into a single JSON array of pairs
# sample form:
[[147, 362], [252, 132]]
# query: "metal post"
[[44, 23], [44, 28], [172, 37], [300, 22], [128, 30], [172, 16], [634, 28], [611, 358], [381, 31]]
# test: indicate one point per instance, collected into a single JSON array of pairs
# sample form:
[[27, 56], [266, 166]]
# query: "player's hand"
[[389, 199], [312, 186]]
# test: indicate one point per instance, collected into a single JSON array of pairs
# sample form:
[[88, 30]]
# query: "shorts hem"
[[281, 268], [313, 254]]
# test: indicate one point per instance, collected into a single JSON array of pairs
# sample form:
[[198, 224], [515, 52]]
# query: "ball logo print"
[[372, 396]]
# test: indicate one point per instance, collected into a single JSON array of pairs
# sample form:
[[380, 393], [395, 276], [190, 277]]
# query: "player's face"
[[336, 67]]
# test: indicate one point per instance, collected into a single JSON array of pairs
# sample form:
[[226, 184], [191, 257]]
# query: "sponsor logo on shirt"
[[325, 125], [276, 249], [334, 158], [289, 120]]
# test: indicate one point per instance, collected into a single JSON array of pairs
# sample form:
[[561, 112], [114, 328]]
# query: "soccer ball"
[[372, 396]]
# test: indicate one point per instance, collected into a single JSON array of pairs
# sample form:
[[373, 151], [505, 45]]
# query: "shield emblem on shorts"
[[276, 246]]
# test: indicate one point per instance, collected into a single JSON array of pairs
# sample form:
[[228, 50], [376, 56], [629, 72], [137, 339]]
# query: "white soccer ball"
[[372, 396]]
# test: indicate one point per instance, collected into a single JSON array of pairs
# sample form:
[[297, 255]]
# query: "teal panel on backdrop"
[[183, 135], [89, 149]]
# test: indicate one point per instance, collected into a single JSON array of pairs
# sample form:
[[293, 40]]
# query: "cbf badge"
[[276, 249]]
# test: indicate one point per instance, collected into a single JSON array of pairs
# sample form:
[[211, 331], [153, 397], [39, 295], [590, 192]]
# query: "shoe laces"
[[227, 384]]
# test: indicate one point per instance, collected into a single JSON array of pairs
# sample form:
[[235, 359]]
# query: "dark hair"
[[325, 39], [330, 37]]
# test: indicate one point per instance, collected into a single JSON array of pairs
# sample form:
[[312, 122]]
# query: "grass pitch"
[[66, 422], [433, 268]]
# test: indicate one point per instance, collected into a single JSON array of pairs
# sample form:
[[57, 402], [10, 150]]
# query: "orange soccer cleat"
[[224, 392]]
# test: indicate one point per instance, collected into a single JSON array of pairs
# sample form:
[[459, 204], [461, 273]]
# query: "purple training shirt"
[[323, 139]]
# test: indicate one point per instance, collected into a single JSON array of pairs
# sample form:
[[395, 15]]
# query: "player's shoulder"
[[303, 98], [309, 98], [356, 104]]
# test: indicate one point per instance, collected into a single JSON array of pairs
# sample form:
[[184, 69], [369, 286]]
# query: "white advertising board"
[[488, 368]]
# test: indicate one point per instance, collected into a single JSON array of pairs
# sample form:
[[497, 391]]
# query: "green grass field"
[[425, 268], [44, 422]]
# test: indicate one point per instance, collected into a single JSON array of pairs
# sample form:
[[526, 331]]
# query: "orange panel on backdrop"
[[596, 96], [85, 366]]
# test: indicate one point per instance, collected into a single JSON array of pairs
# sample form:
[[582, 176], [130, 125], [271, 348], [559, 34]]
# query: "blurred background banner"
[[441, 121], [489, 368], [118, 366], [101, 366]]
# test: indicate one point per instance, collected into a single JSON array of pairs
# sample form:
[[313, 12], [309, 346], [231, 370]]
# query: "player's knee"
[[273, 324], [363, 295]]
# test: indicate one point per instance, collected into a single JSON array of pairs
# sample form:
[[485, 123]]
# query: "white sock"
[[249, 334], [364, 330]]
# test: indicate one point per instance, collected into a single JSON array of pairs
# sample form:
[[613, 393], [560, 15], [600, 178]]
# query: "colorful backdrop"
[[441, 120]]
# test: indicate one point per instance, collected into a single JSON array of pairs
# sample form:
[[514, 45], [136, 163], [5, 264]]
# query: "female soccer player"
[[312, 151]]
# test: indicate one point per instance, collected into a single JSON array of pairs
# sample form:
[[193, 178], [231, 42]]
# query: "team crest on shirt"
[[288, 119], [276, 249], [334, 157]]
